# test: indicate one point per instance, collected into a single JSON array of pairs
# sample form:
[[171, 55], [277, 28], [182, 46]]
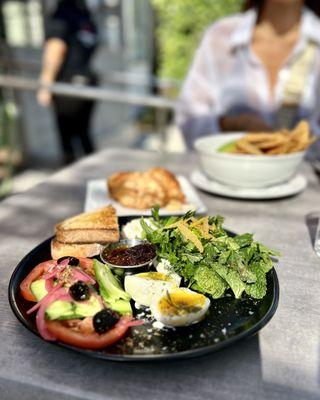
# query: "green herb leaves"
[[210, 260], [208, 281]]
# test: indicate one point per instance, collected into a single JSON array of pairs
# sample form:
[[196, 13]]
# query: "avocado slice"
[[38, 289], [111, 289], [119, 305]]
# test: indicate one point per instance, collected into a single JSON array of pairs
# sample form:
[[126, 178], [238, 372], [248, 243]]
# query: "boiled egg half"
[[179, 307], [147, 285]]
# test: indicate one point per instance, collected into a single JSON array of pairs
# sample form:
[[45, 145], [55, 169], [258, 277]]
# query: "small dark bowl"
[[127, 269]]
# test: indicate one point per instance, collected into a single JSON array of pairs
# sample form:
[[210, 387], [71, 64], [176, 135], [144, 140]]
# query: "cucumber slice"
[[61, 309], [38, 289]]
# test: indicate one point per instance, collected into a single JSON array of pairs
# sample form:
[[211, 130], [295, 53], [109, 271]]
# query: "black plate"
[[228, 321]]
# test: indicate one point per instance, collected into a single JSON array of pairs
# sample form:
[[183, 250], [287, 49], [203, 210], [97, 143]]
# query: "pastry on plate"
[[143, 190]]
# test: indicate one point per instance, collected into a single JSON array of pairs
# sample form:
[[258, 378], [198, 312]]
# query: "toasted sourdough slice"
[[99, 226], [59, 249]]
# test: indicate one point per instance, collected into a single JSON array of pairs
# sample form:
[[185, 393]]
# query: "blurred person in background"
[[255, 71], [71, 39]]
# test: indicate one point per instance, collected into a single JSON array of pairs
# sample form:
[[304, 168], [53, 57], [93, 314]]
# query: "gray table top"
[[281, 362]]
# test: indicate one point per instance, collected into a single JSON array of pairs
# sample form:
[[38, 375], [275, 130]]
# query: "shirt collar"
[[310, 29], [243, 33]]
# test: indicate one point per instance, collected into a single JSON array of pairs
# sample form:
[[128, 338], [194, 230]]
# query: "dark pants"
[[73, 119]]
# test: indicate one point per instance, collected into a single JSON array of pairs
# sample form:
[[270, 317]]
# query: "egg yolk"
[[181, 303], [156, 276]]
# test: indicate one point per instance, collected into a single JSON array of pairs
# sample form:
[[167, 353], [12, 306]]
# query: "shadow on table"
[[248, 370], [233, 373], [220, 374], [35, 213]]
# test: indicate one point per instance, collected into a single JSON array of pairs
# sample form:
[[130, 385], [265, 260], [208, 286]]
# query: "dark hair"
[[314, 5], [76, 4]]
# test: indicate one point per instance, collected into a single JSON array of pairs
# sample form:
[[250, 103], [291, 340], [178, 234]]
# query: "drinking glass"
[[317, 239]]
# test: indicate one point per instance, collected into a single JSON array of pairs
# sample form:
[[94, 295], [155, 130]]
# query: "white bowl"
[[241, 170]]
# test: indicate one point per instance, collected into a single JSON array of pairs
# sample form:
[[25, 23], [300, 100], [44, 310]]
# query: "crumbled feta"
[[164, 267], [133, 229], [158, 325]]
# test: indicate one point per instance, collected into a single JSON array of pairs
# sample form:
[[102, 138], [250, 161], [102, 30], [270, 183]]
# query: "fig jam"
[[126, 256]]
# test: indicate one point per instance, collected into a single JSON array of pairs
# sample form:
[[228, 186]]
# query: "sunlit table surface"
[[281, 362]]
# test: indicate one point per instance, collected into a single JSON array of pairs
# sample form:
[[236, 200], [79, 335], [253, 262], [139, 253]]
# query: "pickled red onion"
[[44, 300], [129, 321], [59, 294], [49, 285], [80, 275]]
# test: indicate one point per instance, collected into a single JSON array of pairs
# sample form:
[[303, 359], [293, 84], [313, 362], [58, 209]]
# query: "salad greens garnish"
[[208, 258]]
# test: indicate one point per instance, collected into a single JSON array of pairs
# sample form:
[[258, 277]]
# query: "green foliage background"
[[181, 24]]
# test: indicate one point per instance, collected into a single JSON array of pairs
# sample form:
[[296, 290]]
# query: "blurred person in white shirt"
[[255, 71]]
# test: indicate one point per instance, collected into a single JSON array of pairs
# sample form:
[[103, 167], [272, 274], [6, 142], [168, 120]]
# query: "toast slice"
[[99, 226], [80, 250]]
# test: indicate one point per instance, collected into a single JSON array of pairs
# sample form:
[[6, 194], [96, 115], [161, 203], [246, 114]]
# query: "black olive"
[[61, 259], [79, 291], [73, 261], [105, 320]]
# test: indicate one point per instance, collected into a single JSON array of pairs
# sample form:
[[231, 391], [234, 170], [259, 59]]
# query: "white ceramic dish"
[[97, 196], [294, 186], [247, 171]]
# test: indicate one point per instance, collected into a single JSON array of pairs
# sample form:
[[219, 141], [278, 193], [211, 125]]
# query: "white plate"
[[97, 196], [295, 185]]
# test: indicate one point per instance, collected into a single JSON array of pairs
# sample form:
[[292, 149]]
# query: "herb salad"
[[209, 259]]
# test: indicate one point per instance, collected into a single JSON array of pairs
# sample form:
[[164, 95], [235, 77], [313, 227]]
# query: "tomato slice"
[[85, 263], [34, 275], [92, 340]]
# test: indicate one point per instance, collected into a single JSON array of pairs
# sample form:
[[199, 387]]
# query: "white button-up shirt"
[[227, 78]]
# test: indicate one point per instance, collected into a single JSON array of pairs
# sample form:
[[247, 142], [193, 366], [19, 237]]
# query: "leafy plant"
[[181, 24]]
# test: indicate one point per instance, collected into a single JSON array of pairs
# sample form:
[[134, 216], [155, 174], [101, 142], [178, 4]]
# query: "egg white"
[[144, 287]]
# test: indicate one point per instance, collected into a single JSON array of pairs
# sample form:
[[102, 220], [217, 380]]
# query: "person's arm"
[[243, 122], [54, 54]]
